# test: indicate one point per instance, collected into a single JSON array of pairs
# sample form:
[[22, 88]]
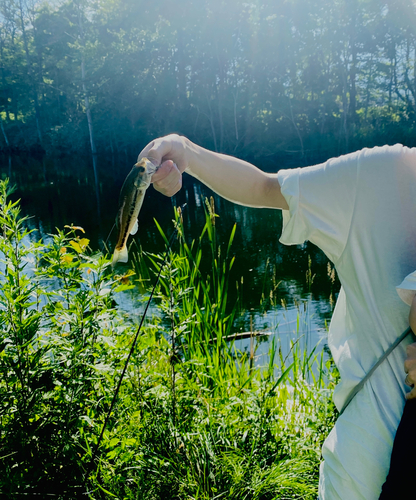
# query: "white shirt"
[[360, 209]]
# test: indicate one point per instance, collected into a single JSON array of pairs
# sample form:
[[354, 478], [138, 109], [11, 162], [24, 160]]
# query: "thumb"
[[155, 151], [411, 394]]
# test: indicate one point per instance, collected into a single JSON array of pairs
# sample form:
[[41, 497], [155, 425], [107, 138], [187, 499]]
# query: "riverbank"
[[195, 417]]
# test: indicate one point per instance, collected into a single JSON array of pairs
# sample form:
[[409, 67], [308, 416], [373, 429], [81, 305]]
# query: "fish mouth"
[[145, 166], [150, 166]]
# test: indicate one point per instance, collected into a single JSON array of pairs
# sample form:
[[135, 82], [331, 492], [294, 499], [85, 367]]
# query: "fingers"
[[167, 180], [410, 367], [410, 382], [410, 362], [154, 151], [167, 170], [410, 370], [169, 154], [411, 394], [411, 350], [171, 147]]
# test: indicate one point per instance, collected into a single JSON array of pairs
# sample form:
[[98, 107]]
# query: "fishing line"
[[108, 237], [107, 418]]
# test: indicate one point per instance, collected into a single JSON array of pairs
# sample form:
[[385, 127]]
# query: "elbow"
[[273, 194]]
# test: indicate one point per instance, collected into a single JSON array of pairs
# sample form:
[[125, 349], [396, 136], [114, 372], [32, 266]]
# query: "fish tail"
[[120, 256]]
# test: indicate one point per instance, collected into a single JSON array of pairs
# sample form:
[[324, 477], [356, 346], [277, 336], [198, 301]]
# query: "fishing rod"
[[113, 402]]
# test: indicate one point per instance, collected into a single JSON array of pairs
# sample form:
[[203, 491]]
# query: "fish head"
[[145, 167], [139, 178]]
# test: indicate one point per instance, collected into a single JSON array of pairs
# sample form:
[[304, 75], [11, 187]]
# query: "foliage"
[[57, 322], [195, 418], [296, 81]]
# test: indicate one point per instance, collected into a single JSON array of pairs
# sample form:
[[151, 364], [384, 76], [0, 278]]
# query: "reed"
[[239, 430]]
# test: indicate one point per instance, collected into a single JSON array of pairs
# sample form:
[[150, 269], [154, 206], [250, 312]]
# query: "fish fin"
[[120, 256], [135, 228]]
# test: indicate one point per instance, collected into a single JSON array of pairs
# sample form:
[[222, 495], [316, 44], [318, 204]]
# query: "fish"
[[130, 202]]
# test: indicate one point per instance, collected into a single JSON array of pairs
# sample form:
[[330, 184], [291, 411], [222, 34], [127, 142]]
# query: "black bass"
[[131, 200]]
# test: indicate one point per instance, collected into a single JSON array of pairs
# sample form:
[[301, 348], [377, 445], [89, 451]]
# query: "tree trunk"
[[220, 118], [302, 149], [92, 141], [181, 69], [30, 73], [3, 80], [345, 105], [391, 82], [4, 133], [87, 108], [235, 117], [88, 112], [211, 121], [219, 88], [414, 75], [353, 90]]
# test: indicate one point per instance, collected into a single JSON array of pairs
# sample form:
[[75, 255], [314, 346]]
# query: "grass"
[[195, 418]]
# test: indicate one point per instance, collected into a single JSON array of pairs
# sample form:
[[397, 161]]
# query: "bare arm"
[[233, 179]]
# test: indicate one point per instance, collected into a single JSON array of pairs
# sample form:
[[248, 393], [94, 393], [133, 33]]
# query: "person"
[[360, 210], [399, 481]]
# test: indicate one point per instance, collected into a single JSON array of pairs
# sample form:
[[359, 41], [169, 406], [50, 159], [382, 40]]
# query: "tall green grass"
[[253, 431], [195, 418]]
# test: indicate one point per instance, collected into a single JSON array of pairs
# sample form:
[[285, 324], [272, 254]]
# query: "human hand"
[[410, 369], [170, 154]]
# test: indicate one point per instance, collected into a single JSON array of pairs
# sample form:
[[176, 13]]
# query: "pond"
[[284, 291]]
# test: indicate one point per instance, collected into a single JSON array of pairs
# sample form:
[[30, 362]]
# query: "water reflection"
[[272, 285]]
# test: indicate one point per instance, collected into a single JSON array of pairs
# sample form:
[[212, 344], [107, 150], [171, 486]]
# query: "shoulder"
[[349, 167], [398, 152], [386, 161]]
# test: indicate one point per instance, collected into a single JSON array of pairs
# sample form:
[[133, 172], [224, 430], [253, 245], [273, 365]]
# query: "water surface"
[[58, 192]]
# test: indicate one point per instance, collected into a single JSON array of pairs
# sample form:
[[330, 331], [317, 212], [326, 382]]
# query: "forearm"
[[231, 178], [234, 179]]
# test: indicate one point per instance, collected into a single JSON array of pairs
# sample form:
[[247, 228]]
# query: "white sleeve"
[[321, 204], [407, 288]]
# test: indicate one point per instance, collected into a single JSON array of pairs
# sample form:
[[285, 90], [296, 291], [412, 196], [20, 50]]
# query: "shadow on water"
[[274, 293]]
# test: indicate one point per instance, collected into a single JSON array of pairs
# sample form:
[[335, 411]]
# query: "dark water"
[[62, 191]]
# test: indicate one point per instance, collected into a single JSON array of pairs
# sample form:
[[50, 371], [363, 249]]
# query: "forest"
[[289, 80]]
